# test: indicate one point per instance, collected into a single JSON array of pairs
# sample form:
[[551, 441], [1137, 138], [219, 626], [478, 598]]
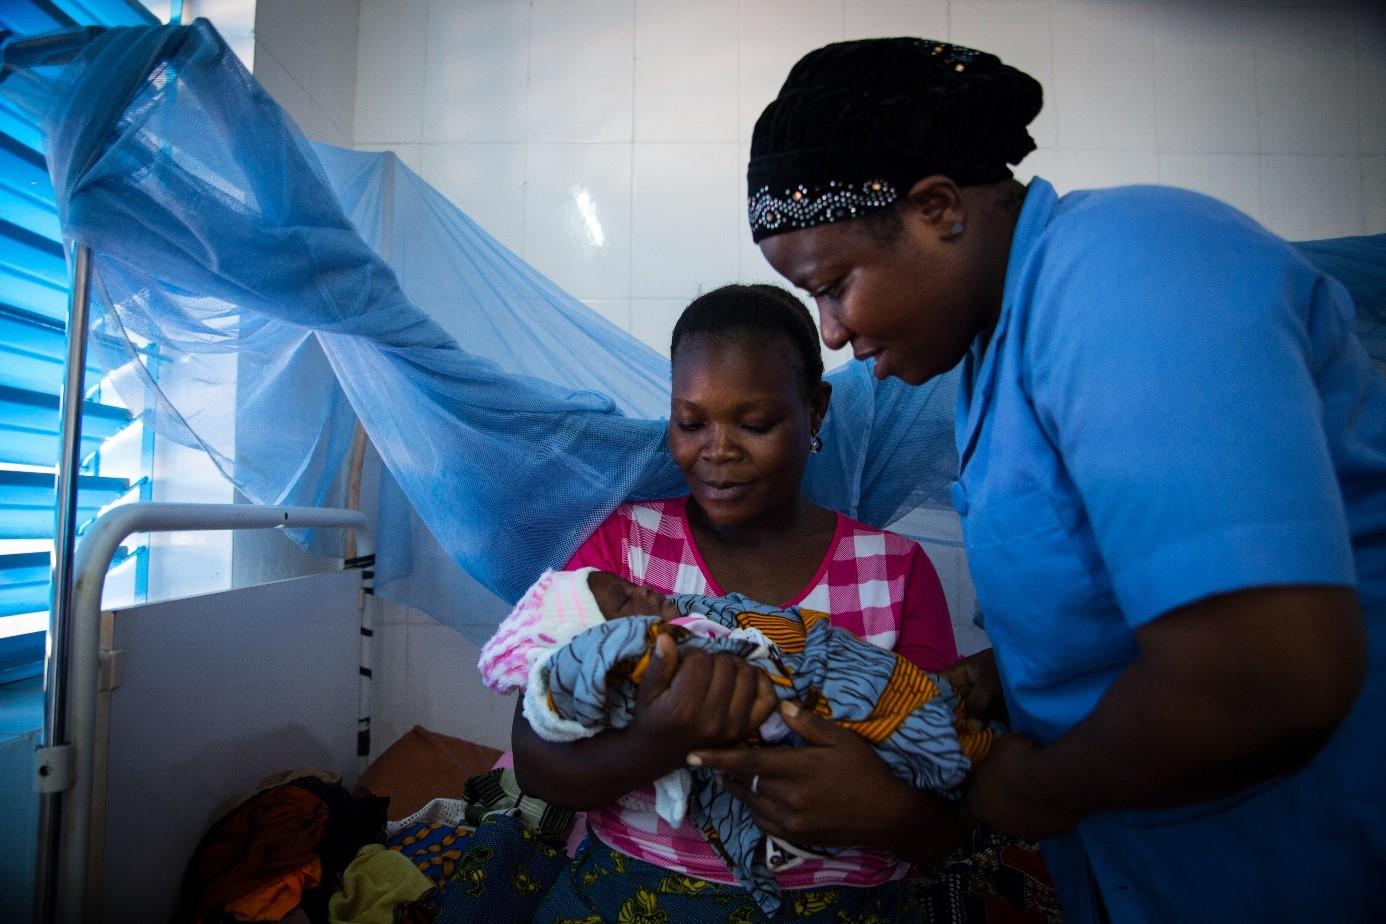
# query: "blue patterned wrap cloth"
[[910, 717]]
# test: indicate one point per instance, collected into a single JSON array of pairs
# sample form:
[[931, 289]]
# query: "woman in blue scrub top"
[[1172, 485]]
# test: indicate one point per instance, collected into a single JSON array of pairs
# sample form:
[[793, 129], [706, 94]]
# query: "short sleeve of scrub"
[[1184, 403]]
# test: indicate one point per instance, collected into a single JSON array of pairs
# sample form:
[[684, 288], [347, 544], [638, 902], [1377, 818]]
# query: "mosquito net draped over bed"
[[255, 293]]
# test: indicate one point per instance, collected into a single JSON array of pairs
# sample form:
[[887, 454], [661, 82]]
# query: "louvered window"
[[33, 313]]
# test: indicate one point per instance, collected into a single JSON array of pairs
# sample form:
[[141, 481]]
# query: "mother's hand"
[[835, 792], [697, 700], [692, 698]]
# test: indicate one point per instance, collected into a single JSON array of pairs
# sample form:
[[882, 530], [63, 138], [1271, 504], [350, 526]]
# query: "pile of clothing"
[[302, 848]]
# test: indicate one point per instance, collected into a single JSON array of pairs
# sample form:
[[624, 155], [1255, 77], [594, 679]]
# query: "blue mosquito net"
[[297, 287]]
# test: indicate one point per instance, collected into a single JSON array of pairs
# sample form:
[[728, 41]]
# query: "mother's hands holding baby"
[[693, 699], [686, 699]]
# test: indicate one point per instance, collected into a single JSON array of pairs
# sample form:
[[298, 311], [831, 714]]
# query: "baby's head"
[[559, 606], [584, 597], [617, 598]]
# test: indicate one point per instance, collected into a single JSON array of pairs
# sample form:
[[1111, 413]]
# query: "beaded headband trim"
[[807, 206]]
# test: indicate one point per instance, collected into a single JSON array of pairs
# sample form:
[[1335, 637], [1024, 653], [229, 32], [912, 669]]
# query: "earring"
[[954, 232], [815, 444]]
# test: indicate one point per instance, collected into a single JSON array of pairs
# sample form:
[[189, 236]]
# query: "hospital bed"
[[177, 705]]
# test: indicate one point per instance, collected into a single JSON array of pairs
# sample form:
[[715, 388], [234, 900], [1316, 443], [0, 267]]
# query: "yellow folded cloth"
[[375, 882]]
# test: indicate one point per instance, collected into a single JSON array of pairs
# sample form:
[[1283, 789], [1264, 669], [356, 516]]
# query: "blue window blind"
[[33, 315]]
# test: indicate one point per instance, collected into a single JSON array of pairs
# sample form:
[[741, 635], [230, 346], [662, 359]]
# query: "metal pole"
[[54, 776]]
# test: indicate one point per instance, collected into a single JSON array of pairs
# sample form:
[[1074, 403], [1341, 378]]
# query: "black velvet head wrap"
[[857, 123]]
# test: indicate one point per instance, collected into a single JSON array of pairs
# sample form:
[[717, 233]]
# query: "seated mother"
[[748, 399]]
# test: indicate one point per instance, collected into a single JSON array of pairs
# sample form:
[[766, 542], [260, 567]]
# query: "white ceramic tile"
[[410, 154], [686, 204], [286, 91], [1374, 194], [1099, 169], [577, 217], [652, 320], [389, 660], [1371, 59], [615, 310], [581, 70], [331, 78], [317, 126], [487, 181], [390, 70], [387, 612], [478, 63], [1104, 76], [1041, 163], [752, 266], [775, 34], [1308, 197], [1019, 34], [1307, 85], [877, 18], [321, 127], [445, 690], [685, 70], [285, 29], [1233, 178], [1205, 80], [390, 705]]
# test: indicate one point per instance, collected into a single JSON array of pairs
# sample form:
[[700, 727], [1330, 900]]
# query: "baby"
[[579, 641]]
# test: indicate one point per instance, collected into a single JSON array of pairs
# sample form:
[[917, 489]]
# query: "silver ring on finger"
[[755, 785]]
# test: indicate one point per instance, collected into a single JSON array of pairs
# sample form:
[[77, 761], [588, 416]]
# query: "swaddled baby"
[[579, 642]]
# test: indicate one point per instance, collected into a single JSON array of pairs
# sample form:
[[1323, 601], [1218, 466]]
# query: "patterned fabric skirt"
[[603, 885], [502, 875], [506, 875]]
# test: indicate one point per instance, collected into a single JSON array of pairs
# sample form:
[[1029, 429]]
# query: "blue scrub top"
[[1173, 405]]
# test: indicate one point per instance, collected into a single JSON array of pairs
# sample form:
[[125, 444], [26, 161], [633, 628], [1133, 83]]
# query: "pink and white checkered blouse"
[[875, 583]]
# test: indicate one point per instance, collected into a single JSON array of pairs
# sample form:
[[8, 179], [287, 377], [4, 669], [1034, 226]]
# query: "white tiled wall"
[[305, 56], [605, 140], [425, 674]]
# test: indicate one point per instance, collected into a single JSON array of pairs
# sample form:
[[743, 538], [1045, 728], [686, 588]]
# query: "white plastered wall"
[[604, 141]]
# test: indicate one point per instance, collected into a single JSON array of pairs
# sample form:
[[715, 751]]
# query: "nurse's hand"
[[835, 792], [977, 684], [999, 793]]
